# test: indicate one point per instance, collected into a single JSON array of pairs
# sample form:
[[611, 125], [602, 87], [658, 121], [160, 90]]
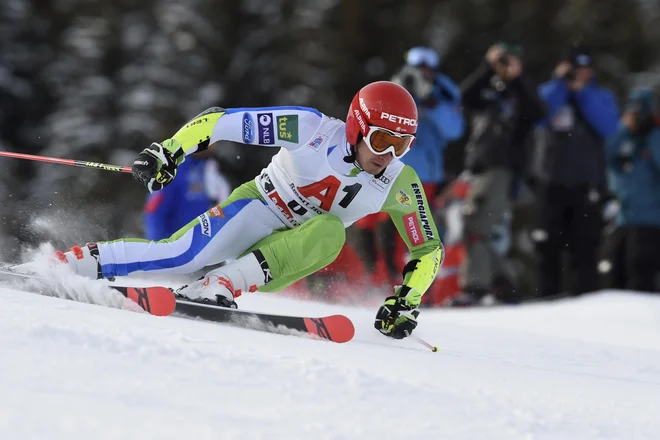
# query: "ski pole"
[[433, 348], [75, 163]]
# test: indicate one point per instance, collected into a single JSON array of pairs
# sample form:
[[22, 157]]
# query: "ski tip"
[[159, 301], [335, 328]]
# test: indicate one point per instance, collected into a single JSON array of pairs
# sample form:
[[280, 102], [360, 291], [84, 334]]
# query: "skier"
[[289, 221]]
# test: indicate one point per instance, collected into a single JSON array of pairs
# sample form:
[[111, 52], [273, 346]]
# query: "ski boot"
[[82, 260], [212, 289]]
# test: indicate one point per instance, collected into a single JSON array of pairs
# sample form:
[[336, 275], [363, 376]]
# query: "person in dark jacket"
[[571, 178], [503, 106], [633, 159]]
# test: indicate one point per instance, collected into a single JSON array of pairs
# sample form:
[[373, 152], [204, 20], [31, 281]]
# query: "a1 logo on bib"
[[287, 128]]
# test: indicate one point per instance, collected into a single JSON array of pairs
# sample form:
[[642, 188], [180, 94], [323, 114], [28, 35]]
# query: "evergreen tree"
[[101, 80]]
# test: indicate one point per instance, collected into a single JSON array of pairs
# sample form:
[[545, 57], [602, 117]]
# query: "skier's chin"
[[373, 167]]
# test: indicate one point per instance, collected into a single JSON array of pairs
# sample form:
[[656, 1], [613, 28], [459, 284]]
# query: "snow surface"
[[586, 368]]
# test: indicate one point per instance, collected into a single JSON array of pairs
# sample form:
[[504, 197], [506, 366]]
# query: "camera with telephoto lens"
[[408, 81], [570, 74], [504, 59], [413, 80]]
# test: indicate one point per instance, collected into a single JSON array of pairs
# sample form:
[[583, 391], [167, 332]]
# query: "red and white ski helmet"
[[381, 104]]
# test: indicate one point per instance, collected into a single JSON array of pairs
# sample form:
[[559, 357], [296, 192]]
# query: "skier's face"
[[372, 163]]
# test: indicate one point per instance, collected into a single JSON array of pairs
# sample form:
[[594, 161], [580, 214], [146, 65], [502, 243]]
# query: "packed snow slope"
[[586, 368]]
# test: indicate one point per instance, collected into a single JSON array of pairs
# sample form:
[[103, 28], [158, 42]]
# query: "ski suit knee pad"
[[330, 235]]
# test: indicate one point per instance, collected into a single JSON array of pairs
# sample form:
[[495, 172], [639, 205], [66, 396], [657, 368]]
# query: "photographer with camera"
[[633, 158], [571, 177], [440, 117], [440, 120], [503, 108]]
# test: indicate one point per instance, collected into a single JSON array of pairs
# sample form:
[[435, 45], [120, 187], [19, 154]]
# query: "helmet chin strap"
[[351, 157]]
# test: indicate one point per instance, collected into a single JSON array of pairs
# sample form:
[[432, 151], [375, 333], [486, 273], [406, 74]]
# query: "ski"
[[156, 300], [335, 328], [161, 301]]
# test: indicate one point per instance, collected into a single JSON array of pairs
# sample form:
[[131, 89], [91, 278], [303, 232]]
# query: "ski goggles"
[[422, 56], [382, 141]]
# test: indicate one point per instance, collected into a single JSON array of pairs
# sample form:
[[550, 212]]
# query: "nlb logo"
[[266, 129]]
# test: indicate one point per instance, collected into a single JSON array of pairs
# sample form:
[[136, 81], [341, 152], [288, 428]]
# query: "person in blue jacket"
[[633, 159], [441, 120], [440, 116], [571, 178], [166, 211]]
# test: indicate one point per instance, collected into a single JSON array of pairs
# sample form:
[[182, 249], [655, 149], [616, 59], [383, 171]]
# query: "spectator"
[[571, 177], [198, 186], [440, 117], [633, 158], [503, 106], [440, 120]]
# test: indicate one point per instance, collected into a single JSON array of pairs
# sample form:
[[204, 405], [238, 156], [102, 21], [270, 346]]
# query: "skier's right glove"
[[397, 317], [156, 165]]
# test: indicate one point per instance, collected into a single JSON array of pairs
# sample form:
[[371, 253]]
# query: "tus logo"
[[287, 128]]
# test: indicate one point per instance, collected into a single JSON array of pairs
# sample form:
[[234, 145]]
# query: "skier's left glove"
[[156, 165], [397, 317]]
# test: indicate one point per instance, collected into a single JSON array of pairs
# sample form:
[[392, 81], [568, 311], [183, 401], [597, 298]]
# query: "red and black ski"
[[335, 328], [158, 301]]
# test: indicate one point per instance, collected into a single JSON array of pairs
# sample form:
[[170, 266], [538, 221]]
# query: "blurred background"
[[101, 80]]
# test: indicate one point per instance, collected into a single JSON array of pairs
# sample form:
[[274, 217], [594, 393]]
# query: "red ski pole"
[[433, 348], [75, 163]]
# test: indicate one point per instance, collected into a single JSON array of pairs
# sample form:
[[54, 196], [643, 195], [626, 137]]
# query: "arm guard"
[[196, 135], [418, 275]]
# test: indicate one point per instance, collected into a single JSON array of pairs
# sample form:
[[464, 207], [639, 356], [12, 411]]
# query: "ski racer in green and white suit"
[[289, 221]]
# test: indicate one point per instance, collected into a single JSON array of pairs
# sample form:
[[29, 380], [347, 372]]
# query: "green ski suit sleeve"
[[409, 210]]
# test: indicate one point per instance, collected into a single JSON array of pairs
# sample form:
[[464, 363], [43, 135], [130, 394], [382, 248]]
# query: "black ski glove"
[[156, 165], [397, 317]]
